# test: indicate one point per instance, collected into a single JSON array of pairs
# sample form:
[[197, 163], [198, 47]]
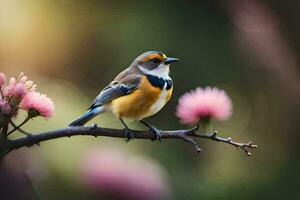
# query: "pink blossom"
[[203, 104], [18, 88], [111, 172], [29, 85], [38, 104], [22, 78], [4, 107], [2, 79], [9, 90], [15, 89]]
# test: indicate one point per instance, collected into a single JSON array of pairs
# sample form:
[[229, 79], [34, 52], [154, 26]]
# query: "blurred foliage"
[[72, 49]]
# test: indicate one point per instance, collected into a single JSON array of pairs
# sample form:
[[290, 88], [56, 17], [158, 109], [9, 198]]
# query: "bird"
[[138, 92]]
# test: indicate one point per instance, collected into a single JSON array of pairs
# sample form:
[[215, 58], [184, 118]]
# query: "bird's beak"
[[170, 60]]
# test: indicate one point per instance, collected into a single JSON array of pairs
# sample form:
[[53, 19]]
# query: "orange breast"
[[137, 104]]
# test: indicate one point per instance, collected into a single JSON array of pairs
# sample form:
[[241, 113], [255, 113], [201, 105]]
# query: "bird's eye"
[[155, 60]]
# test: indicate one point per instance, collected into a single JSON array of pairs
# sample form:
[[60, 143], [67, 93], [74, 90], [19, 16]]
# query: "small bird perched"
[[138, 92]]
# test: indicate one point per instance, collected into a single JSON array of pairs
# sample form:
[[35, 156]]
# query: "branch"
[[244, 146], [186, 135]]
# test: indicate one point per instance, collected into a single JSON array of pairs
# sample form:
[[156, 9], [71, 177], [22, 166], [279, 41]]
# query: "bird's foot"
[[155, 132], [128, 134]]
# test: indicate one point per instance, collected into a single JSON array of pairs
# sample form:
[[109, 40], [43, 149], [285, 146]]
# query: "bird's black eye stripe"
[[155, 60]]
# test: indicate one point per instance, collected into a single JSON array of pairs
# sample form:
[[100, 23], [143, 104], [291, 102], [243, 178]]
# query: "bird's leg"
[[152, 129], [128, 132]]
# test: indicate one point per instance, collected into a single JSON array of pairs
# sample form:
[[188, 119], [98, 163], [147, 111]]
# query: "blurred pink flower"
[[20, 171], [4, 107], [2, 79], [38, 104], [9, 90], [18, 88], [203, 104], [113, 173], [29, 85]]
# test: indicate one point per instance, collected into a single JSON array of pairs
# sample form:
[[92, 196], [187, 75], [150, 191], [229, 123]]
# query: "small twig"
[[192, 141], [244, 146], [186, 135], [4, 130], [19, 126]]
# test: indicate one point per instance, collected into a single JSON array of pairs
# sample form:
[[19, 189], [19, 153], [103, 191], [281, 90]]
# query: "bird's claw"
[[155, 132], [128, 134]]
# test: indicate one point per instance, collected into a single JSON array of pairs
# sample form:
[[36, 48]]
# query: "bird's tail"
[[90, 114]]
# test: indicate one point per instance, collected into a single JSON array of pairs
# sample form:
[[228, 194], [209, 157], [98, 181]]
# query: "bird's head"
[[154, 63]]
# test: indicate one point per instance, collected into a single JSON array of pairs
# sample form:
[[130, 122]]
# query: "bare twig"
[[244, 146], [186, 135], [18, 128], [4, 130]]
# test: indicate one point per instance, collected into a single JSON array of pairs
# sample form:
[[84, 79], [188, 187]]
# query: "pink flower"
[[4, 107], [204, 104], [29, 85], [2, 79], [38, 104], [9, 90], [18, 88], [110, 172], [15, 89]]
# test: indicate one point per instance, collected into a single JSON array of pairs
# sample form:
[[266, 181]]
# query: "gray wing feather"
[[124, 86]]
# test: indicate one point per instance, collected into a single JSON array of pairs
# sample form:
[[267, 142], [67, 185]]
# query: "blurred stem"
[[4, 129], [204, 124], [3, 139], [19, 126]]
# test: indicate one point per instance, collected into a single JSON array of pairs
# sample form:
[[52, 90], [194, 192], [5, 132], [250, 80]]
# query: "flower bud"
[[2, 79]]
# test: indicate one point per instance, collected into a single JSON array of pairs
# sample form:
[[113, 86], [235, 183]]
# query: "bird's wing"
[[122, 85]]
